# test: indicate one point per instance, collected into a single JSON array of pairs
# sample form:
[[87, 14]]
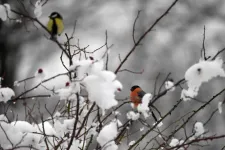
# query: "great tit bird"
[[136, 95], [55, 24]]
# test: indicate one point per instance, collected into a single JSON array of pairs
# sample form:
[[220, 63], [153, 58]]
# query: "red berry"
[[91, 58], [40, 70], [67, 84]]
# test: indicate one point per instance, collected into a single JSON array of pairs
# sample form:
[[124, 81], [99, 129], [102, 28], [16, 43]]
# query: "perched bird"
[[55, 24], [136, 95]]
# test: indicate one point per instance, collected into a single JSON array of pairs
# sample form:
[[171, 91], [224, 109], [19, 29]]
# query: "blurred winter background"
[[173, 46]]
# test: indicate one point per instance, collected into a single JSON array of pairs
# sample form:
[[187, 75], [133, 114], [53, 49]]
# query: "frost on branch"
[[200, 73], [143, 107], [6, 94], [107, 135]]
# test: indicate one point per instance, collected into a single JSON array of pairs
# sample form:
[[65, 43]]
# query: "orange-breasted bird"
[[136, 95]]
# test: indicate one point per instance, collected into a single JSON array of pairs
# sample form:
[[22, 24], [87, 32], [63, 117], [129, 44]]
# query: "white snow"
[[220, 107], [38, 9], [81, 67], [69, 92], [187, 95], [3, 13], [131, 143], [199, 129], [23, 126], [159, 125], [143, 107], [169, 85], [132, 115], [48, 128], [142, 129], [174, 142], [101, 89], [202, 72], [16, 83], [107, 134], [6, 94]]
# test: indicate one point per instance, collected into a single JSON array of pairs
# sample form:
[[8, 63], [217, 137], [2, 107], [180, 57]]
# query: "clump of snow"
[[6, 94], [38, 9], [131, 143], [159, 125], [187, 95], [220, 107], [48, 128], [68, 124], [81, 67], [116, 113], [202, 72], [16, 83], [132, 115], [5, 10], [101, 89], [169, 85], [142, 129], [96, 67], [3, 118], [143, 107], [199, 130], [107, 134], [174, 142], [23, 126], [69, 92]]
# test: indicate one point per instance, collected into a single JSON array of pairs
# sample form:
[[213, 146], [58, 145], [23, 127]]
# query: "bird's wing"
[[141, 93], [60, 25]]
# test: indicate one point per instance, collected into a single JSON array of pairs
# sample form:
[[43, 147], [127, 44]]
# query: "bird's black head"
[[55, 15], [134, 87]]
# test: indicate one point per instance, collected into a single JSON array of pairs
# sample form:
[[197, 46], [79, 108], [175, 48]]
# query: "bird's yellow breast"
[[60, 25], [49, 25]]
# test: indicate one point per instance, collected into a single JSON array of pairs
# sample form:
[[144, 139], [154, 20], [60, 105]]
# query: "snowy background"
[[172, 47]]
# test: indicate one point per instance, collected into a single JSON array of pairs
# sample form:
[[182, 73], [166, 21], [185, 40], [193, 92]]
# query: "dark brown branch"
[[133, 33], [75, 122], [144, 35]]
